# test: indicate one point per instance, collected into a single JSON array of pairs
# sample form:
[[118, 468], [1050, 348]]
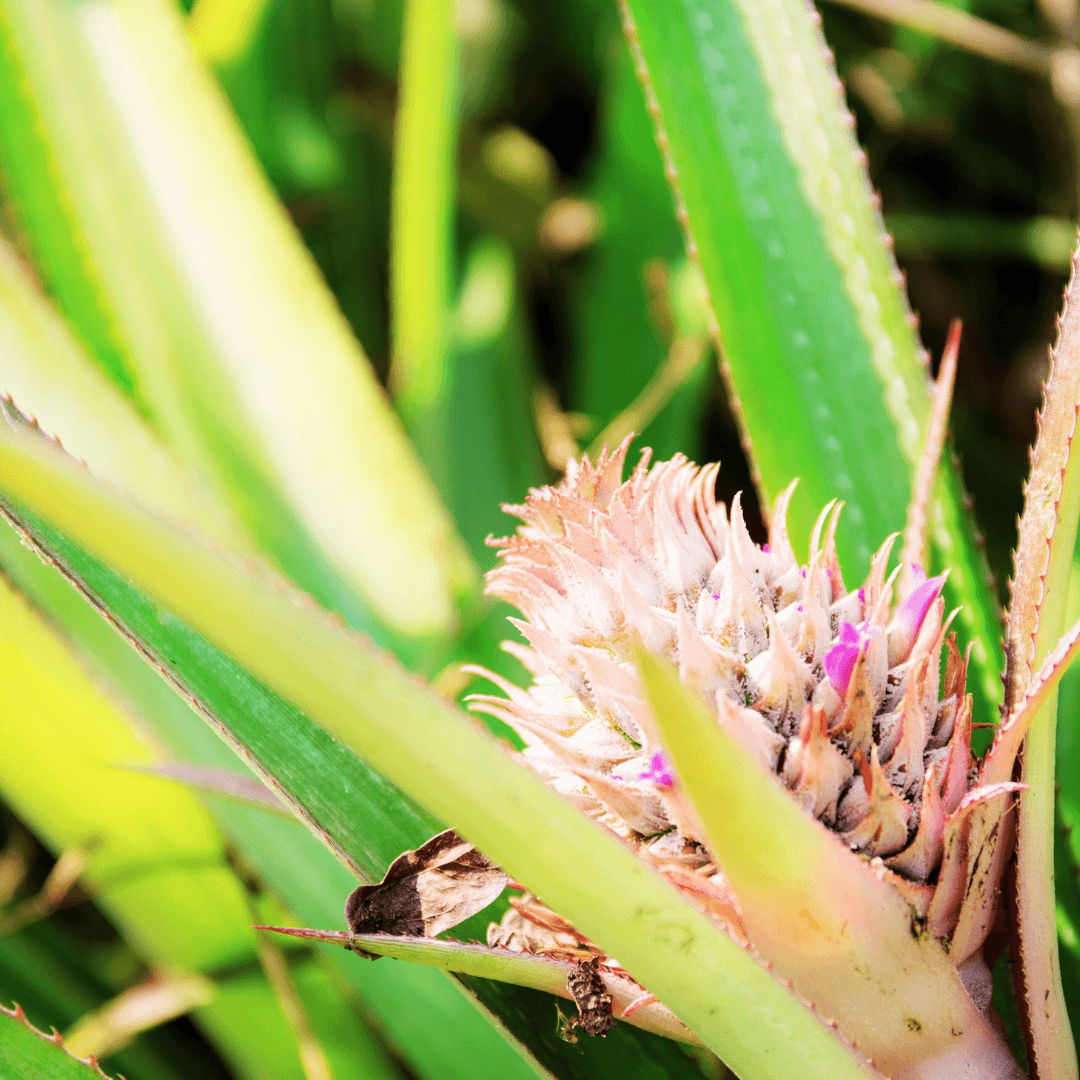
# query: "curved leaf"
[[437, 754], [244, 358], [522, 969], [843, 934], [354, 812]]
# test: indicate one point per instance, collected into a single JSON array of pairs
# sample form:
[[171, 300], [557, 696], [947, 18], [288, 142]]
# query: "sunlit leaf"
[[49, 376], [354, 811], [421, 744], [244, 359], [826, 374], [842, 933]]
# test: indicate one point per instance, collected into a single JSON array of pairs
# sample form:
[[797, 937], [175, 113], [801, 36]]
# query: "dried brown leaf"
[[426, 891]]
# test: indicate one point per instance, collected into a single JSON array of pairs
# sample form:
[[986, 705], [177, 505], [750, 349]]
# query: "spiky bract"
[[838, 693]]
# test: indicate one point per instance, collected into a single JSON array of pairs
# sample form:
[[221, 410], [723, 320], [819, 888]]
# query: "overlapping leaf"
[[241, 353], [419, 743]]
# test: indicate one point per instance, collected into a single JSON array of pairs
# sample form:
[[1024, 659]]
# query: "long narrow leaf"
[[356, 813], [47, 373], [458, 773], [422, 214], [50, 220], [523, 969], [359, 817], [244, 357], [840, 932], [158, 865], [824, 368], [1037, 617]]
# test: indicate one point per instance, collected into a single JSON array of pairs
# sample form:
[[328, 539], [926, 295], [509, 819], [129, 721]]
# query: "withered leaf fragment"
[[591, 997], [427, 890]]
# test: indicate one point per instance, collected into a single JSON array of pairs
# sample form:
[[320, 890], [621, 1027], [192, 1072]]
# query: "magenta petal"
[[840, 659], [912, 611], [658, 771]]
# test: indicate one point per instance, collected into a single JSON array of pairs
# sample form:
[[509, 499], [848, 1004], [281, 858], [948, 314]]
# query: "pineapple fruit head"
[[837, 693]]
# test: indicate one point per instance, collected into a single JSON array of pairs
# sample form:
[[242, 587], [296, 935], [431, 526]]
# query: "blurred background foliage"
[[572, 308], [567, 253]]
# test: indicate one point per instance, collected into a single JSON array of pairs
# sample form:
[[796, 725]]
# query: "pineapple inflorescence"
[[837, 693]]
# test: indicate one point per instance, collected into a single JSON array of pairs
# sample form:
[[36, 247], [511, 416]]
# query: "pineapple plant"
[[750, 823]]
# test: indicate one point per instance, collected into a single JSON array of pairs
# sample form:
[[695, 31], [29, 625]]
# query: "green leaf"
[[437, 755], [158, 869], [634, 1051], [1037, 614], [841, 932], [48, 217], [222, 30], [488, 451], [616, 354], [823, 366], [523, 969], [355, 813], [50, 376], [55, 980], [422, 212], [245, 360], [55, 773], [27, 1052], [1067, 892]]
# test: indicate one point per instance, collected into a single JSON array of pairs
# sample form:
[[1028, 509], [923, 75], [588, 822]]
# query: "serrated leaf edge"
[[56, 1039]]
